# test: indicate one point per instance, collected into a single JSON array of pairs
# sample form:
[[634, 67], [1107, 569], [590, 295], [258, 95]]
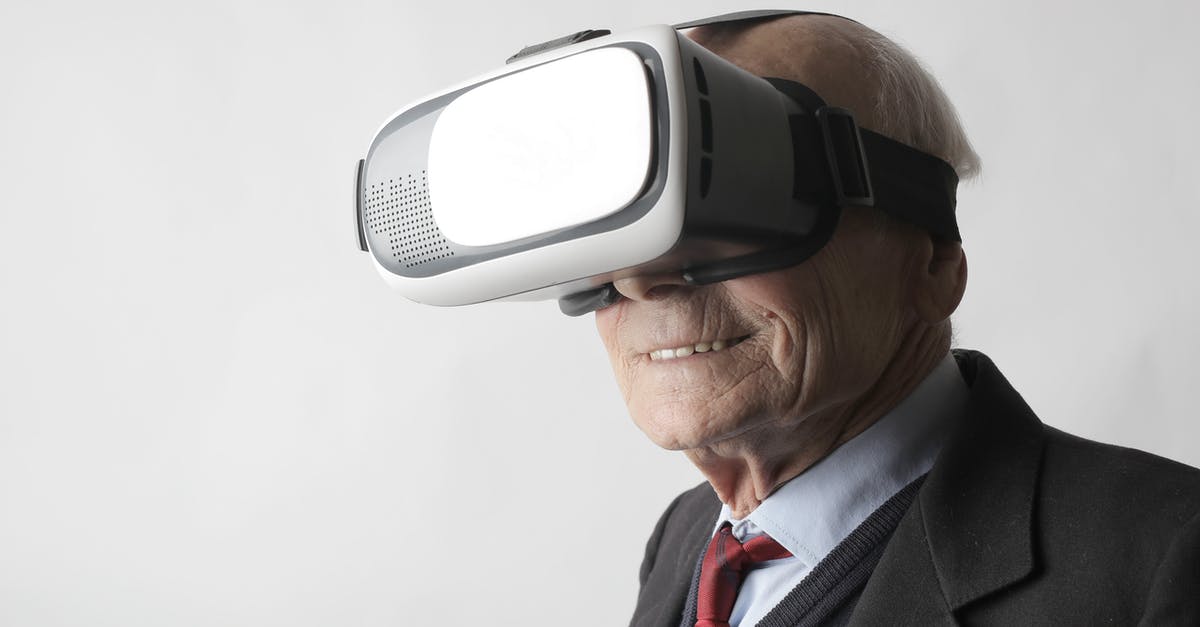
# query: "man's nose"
[[649, 286]]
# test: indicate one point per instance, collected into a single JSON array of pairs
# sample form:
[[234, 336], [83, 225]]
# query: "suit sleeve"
[[1175, 593]]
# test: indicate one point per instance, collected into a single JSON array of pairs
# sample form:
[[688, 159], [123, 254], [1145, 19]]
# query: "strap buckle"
[[846, 157]]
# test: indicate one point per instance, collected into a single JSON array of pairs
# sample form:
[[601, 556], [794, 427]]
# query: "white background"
[[212, 411]]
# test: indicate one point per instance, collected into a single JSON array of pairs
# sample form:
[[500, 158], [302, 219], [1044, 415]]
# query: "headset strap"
[[870, 169], [912, 185]]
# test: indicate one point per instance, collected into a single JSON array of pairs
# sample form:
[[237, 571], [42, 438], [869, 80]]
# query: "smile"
[[663, 354]]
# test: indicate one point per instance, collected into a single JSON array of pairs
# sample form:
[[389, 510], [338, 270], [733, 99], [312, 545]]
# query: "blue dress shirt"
[[810, 514]]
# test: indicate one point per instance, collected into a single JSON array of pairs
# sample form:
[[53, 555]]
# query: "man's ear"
[[939, 282]]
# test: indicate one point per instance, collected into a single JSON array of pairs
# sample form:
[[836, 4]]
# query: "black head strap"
[[913, 186], [904, 182]]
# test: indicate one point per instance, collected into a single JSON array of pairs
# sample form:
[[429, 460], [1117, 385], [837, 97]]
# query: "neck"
[[745, 469]]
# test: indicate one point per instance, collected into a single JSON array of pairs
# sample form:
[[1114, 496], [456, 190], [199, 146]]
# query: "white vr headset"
[[599, 156]]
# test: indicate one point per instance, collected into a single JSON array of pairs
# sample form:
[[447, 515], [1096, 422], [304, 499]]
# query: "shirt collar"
[[813, 512]]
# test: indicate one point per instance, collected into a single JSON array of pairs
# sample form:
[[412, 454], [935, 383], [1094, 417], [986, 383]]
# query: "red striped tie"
[[722, 572]]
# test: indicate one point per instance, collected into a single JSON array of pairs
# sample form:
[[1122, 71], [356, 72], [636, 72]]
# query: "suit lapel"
[[904, 588], [971, 531]]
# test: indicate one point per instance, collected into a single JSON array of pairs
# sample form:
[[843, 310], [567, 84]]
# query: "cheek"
[[792, 315], [860, 328], [809, 340], [607, 326], [686, 406]]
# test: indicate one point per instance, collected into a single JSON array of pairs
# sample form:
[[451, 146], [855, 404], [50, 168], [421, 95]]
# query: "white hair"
[[908, 104], [912, 108]]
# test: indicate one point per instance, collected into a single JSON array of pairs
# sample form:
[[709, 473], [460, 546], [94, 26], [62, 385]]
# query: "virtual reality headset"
[[600, 156]]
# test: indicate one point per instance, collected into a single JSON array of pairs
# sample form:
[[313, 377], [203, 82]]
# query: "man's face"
[[810, 341], [807, 340]]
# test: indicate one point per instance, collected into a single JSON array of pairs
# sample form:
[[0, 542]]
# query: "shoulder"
[[685, 525], [1121, 525], [699, 501], [671, 555], [1091, 476], [1119, 487], [690, 515], [1107, 533], [1119, 463]]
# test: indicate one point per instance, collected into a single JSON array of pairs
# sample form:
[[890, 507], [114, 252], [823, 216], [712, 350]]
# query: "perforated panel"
[[398, 210], [402, 146]]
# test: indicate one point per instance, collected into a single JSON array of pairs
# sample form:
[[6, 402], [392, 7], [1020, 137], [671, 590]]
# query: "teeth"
[[684, 351]]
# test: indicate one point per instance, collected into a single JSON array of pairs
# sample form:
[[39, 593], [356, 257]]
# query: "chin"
[[664, 436], [672, 429], [682, 427]]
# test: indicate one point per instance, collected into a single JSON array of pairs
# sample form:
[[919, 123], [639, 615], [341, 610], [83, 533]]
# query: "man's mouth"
[[664, 354]]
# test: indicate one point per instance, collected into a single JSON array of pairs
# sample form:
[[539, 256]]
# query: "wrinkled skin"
[[829, 345]]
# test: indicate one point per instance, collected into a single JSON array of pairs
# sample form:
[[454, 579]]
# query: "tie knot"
[[735, 555], [722, 571]]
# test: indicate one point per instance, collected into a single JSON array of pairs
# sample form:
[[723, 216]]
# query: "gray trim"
[[748, 16], [358, 206]]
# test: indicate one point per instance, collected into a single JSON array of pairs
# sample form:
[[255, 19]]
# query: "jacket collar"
[[971, 533], [978, 501]]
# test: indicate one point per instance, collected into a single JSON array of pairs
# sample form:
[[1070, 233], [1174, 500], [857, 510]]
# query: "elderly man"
[[859, 471]]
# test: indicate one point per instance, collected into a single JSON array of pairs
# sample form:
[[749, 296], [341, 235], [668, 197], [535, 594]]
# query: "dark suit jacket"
[[1017, 524]]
